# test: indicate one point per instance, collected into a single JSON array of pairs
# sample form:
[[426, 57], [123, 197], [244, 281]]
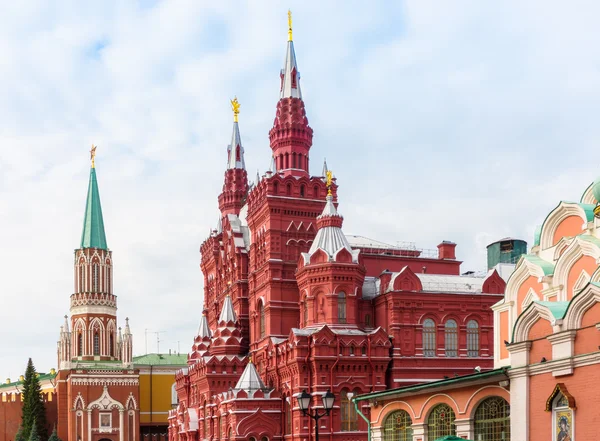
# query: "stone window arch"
[[441, 422], [349, 417], [95, 277], [429, 343], [288, 415], [451, 338], [341, 302], [472, 338], [261, 318], [492, 420], [398, 427]]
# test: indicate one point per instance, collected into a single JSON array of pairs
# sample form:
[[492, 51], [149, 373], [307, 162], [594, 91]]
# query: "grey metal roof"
[[250, 381], [370, 287], [236, 141], [289, 66], [330, 239], [227, 313], [445, 283], [203, 329]]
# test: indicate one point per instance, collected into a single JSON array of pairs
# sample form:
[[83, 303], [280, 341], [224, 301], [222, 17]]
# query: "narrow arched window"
[[398, 427], [79, 344], [174, 397], [275, 187], [206, 419], [429, 346], [96, 343], [219, 427], [316, 191], [288, 416], [451, 338], [305, 307], [367, 321], [110, 344], [261, 318], [441, 422], [95, 277], [348, 412], [288, 189], [472, 339], [287, 160], [294, 160], [492, 420], [81, 277], [108, 279], [342, 307], [302, 191]]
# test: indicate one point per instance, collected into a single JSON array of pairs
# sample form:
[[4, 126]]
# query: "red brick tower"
[[97, 389], [282, 211]]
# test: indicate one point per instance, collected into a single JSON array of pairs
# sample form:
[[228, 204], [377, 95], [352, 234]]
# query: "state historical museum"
[[291, 303]]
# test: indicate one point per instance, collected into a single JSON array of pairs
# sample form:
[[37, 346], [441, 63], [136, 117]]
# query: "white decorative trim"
[[579, 305], [529, 298], [555, 218], [581, 282], [572, 254], [528, 318], [106, 402]]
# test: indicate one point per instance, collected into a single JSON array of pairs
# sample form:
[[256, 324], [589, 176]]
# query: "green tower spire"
[[93, 235]]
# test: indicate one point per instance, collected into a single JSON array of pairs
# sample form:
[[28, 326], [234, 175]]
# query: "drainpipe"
[[337, 337], [364, 418]]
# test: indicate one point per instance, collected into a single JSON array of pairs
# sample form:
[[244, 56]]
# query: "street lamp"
[[304, 402]]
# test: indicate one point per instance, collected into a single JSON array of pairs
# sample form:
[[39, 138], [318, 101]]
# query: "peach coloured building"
[[546, 351]]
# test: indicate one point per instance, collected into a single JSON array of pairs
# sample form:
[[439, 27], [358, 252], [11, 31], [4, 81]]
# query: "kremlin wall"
[[411, 347]]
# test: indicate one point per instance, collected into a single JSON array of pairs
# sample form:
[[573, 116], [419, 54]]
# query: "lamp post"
[[304, 402]]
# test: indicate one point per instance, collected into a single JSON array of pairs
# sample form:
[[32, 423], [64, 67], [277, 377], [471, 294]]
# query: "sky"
[[465, 121]]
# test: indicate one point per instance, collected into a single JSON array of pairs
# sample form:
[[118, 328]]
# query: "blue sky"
[[464, 121]]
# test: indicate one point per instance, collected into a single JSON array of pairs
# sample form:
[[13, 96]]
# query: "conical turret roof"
[[93, 235], [235, 151], [203, 329], [250, 381], [227, 313]]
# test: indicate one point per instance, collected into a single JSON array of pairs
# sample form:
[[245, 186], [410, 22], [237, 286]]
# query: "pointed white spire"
[[219, 228], [329, 209], [250, 381], [66, 325], [235, 151], [257, 177], [290, 77], [227, 313], [120, 336], [273, 166], [127, 330], [203, 329], [324, 172]]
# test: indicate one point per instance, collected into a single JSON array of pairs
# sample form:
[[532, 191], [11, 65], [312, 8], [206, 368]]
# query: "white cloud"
[[465, 121]]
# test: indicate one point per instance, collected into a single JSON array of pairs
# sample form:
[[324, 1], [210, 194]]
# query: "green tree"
[[54, 436], [35, 435], [19, 436], [34, 410]]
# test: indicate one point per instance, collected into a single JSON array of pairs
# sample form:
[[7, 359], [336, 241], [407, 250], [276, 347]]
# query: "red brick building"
[[291, 303]]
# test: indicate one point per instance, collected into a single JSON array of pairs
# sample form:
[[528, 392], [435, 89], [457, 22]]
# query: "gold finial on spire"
[[329, 177], [235, 106], [289, 25], [250, 359], [93, 155]]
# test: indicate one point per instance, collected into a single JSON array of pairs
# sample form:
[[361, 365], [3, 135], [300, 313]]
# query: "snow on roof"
[[365, 242], [446, 283]]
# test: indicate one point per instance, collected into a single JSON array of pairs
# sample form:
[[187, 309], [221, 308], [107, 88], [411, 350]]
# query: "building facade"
[[546, 355], [291, 303]]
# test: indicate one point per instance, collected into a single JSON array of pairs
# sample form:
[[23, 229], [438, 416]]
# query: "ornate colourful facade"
[[291, 303]]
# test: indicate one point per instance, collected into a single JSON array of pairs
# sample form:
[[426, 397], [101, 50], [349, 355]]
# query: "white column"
[[464, 428], [89, 431], [121, 425], [519, 390], [376, 433], [418, 432]]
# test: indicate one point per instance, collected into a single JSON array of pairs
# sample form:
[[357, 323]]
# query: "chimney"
[[447, 250], [385, 277]]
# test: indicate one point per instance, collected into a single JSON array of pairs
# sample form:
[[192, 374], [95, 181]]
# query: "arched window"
[[288, 416], [275, 187], [316, 191], [305, 311], [429, 346], [79, 344], [451, 338], [441, 422], [174, 397], [287, 160], [206, 419], [81, 277], [294, 165], [363, 350], [492, 420], [562, 418], [108, 281], [349, 415], [96, 343], [398, 427], [342, 307], [288, 189], [95, 275], [472, 338], [219, 427], [302, 191], [110, 344], [261, 318], [368, 321]]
